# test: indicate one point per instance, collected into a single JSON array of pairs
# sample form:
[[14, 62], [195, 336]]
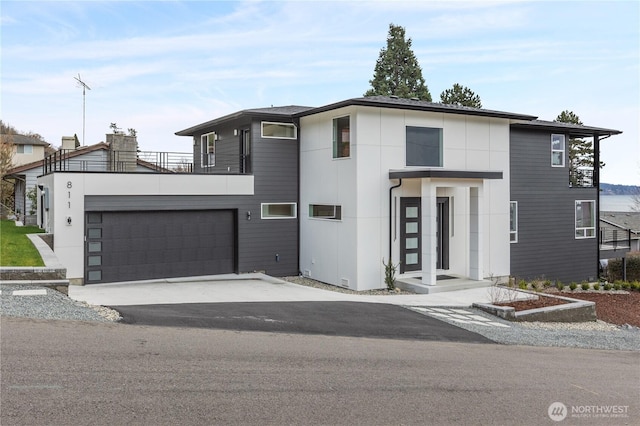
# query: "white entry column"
[[429, 231], [475, 233]]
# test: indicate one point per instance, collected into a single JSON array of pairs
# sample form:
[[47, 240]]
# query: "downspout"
[[296, 122], [391, 216], [596, 181]]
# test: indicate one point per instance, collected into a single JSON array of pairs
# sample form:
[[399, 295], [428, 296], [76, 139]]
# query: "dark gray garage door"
[[128, 246]]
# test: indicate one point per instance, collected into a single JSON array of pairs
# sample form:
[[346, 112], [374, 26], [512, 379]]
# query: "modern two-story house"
[[332, 192]]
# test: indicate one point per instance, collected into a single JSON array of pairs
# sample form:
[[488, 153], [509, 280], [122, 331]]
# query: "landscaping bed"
[[614, 307]]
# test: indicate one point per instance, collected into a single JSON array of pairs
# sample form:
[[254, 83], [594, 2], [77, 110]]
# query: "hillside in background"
[[610, 189]]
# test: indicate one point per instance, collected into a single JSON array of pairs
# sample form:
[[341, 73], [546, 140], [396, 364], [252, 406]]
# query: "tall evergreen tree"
[[397, 71], [460, 95], [580, 151]]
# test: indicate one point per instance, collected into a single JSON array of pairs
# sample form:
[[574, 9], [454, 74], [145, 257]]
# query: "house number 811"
[[69, 186]]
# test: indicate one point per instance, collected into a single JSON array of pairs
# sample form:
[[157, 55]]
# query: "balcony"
[[108, 161]]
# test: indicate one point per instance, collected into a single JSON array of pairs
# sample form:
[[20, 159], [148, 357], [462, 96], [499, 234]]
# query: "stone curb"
[[575, 310]]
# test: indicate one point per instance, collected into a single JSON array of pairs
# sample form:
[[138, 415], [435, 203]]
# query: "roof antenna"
[[84, 87]]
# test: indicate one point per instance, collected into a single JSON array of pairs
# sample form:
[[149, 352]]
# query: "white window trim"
[[330, 218], [204, 149], [26, 149], [584, 229], [563, 150], [295, 130], [295, 211], [515, 221]]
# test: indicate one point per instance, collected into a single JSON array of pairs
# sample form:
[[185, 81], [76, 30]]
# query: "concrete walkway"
[[251, 288]]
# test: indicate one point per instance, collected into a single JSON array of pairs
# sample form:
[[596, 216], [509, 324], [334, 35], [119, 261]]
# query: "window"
[[513, 221], [557, 150], [208, 147], [279, 210], [323, 211], [279, 130], [585, 219], [424, 146], [24, 149], [341, 137]]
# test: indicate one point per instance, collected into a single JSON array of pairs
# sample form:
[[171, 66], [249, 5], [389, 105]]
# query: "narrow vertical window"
[[341, 137], [585, 219], [557, 150], [513, 222], [208, 147]]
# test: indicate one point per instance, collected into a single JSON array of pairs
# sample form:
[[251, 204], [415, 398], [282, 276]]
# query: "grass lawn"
[[15, 247]]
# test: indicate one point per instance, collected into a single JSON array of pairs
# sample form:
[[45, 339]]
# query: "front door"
[[410, 241]]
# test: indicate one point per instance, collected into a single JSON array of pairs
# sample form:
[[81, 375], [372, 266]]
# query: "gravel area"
[[53, 305], [588, 335], [595, 335]]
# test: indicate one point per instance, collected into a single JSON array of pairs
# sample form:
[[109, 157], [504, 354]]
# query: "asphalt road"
[[329, 318], [75, 373]]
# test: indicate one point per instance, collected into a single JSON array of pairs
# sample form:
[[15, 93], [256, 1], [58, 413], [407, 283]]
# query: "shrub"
[[607, 287], [390, 274], [624, 284], [559, 285], [617, 286], [585, 286], [633, 267], [635, 286], [546, 283], [596, 286], [522, 284], [573, 286], [534, 285]]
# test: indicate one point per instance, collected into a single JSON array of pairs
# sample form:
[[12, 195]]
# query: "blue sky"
[[160, 67]]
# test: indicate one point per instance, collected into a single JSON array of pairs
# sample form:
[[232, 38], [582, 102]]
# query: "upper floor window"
[[208, 147], [341, 137], [279, 130], [557, 150], [586, 219], [424, 146], [513, 222], [24, 149]]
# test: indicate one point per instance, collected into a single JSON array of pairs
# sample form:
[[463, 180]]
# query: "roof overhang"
[[443, 174], [284, 113], [573, 130], [415, 105]]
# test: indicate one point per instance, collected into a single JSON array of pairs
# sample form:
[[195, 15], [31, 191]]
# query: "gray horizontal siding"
[[546, 245], [259, 240]]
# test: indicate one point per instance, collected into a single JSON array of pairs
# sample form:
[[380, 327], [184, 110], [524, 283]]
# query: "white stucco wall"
[[67, 193], [353, 249]]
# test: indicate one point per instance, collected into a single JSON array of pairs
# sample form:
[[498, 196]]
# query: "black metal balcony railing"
[[614, 237], [581, 178], [142, 162]]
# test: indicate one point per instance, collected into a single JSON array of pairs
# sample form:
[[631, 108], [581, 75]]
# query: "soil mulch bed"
[[614, 308], [541, 302]]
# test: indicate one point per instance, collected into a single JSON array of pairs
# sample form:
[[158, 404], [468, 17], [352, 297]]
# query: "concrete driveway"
[[250, 288]]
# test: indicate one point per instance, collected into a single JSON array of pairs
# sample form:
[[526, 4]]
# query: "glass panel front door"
[[410, 241]]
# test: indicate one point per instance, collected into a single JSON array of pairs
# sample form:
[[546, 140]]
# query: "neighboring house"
[[68, 157], [26, 149], [619, 233], [332, 192]]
